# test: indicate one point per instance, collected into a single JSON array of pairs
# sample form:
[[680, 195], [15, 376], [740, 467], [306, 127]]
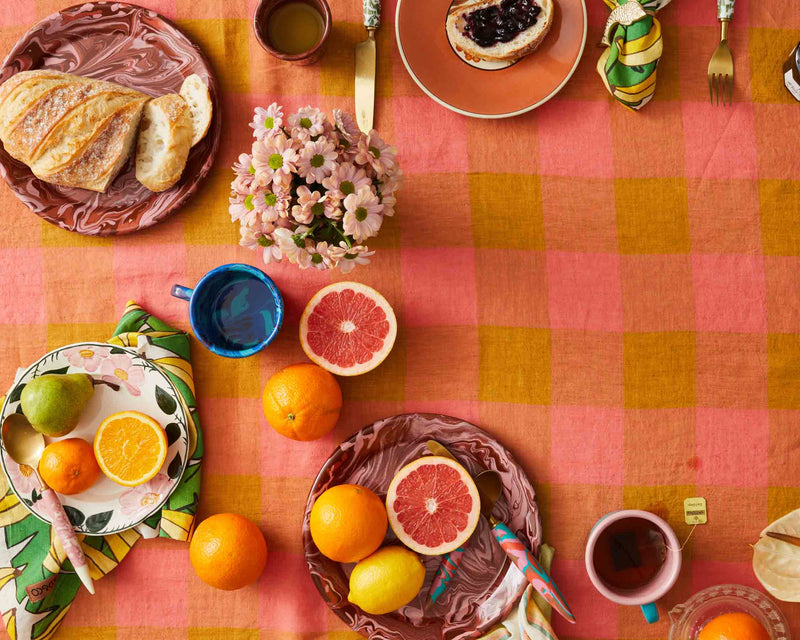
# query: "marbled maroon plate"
[[485, 585], [134, 47]]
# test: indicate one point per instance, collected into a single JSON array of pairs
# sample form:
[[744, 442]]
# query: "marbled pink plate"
[[486, 585], [134, 47]]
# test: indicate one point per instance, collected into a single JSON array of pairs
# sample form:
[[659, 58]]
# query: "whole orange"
[[733, 626], [228, 551], [348, 522], [302, 401], [69, 466]]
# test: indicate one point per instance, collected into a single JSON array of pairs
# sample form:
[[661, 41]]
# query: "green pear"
[[53, 403]]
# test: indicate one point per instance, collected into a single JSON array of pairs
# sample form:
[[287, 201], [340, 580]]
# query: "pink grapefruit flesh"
[[348, 328], [433, 505]]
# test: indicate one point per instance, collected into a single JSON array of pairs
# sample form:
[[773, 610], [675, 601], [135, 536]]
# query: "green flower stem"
[[344, 237]]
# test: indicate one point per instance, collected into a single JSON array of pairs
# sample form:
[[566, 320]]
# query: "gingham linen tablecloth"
[[615, 296]]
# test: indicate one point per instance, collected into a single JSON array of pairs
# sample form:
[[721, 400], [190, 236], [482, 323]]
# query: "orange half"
[[130, 447]]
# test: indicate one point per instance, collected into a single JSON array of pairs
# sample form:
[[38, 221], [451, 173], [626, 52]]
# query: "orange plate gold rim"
[[444, 77]]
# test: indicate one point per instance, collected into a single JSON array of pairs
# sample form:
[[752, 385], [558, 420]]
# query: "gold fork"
[[720, 67]]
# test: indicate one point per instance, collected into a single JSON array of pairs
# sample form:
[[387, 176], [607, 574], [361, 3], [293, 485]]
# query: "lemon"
[[388, 579]]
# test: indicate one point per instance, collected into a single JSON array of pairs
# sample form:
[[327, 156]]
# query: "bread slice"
[[195, 92], [105, 155], [165, 137], [69, 130], [525, 42]]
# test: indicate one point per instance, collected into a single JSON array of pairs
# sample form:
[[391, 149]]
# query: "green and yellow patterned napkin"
[[633, 48], [37, 583]]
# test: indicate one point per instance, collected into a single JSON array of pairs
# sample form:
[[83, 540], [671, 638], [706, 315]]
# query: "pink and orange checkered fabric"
[[625, 318]]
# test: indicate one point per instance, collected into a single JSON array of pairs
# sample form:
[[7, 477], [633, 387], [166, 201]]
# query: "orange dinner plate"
[[482, 93]]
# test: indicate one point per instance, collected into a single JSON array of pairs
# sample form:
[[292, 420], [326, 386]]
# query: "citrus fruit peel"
[[228, 551], [130, 447], [302, 401], [68, 466], [386, 580], [348, 522]]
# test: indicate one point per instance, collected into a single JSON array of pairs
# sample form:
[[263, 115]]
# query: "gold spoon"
[[25, 445]]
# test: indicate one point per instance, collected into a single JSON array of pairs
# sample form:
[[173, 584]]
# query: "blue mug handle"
[[184, 293], [650, 612]]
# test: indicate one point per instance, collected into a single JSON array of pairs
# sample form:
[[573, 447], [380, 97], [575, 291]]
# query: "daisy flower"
[[243, 167], [346, 178], [348, 257], [242, 186], [346, 126], [271, 205], [374, 152], [261, 239], [389, 201], [241, 208], [307, 123], [310, 204], [293, 245], [267, 121], [362, 218], [274, 159], [320, 258], [317, 160]]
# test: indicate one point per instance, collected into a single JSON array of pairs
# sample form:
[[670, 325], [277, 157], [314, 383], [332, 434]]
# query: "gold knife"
[[365, 67]]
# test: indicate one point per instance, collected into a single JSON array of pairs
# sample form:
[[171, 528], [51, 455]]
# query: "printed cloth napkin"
[[525, 622], [633, 48], [37, 582], [530, 618]]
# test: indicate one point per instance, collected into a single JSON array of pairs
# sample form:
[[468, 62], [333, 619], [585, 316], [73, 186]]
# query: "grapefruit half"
[[433, 505], [348, 328]]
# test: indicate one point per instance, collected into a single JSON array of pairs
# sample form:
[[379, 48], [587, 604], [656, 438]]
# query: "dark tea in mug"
[[629, 553]]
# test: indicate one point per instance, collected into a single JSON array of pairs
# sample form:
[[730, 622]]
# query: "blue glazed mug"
[[235, 310]]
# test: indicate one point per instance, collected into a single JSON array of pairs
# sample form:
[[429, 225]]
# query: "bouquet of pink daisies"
[[313, 191]]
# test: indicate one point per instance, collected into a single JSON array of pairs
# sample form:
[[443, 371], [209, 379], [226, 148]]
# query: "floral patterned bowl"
[[138, 385]]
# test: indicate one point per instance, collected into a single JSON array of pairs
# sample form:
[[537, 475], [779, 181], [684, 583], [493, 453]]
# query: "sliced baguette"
[[69, 130], [104, 157], [524, 43], [165, 137], [195, 92]]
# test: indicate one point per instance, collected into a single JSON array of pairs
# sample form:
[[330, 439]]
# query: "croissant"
[[70, 130]]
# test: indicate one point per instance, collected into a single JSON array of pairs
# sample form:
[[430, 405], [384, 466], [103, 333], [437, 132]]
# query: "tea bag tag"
[[694, 511]]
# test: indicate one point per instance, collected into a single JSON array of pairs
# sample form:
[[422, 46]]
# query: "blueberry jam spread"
[[501, 23]]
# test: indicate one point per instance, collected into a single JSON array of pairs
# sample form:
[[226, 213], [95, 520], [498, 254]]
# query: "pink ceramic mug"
[[646, 596]]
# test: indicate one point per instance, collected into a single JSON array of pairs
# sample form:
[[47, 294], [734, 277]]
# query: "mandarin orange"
[[302, 401], [733, 626], [69, 466], [228, 551], [348, 522]]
